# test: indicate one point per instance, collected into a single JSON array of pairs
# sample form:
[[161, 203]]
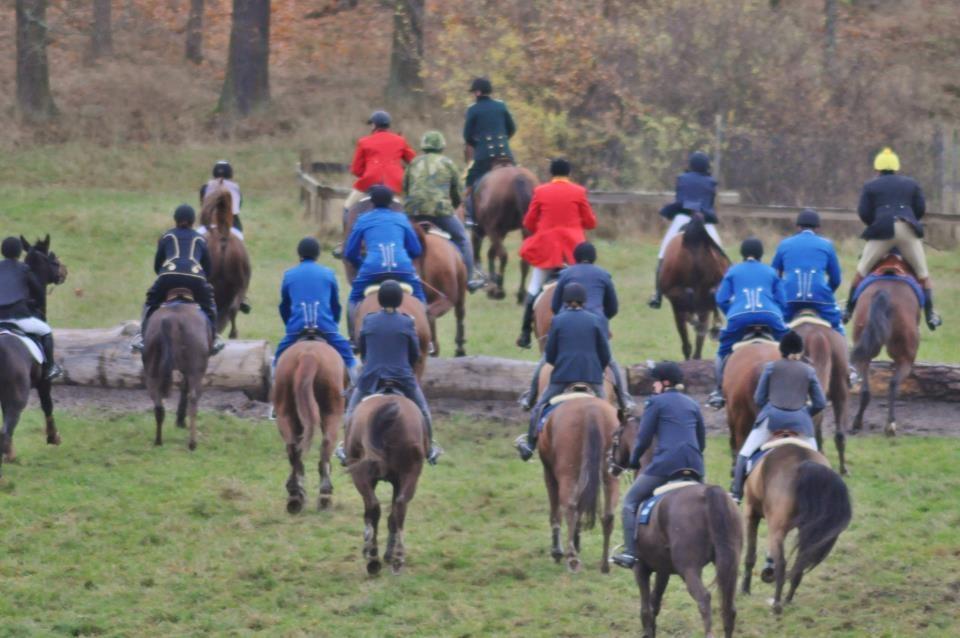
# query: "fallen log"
[[102, 357], [477, 378]]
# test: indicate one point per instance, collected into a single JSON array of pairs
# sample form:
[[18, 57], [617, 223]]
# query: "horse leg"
[[158, 414], [700, 594], [864, 372], [46, 403], [296, 495], [899, 374], [432, 320], [371, 520], [647, 618], [496, 290], [553, 494], [569, 507], [715, 325], [775, 536], [702, 318], [522, 291], [331, 424], [659, 587], [398, 514], [750, 557], [839, 401], [818, 430], [610, 485], [182, 406], [501, 276], [460, 312], [193, 399], [680, 318], [233, 323], [11, 416]]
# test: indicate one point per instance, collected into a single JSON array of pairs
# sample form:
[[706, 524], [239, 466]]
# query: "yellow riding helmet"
[[886, 160]]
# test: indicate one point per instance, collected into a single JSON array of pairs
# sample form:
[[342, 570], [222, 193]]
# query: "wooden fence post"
[[718, 146]]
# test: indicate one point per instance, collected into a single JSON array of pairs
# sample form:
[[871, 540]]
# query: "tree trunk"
[[405, 81], [195, 32], [101, 31], [830, 38], [247, 84], [33, 72]]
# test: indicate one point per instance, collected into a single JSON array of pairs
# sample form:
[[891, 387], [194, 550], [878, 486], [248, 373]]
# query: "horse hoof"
[[557, 555], [891, 429], [324, 502], [460, 353], [496, 294], [192, 445], [53, 439], [294, 505], [158, 442], [766, 575], [604, 567], [396, 567], [573, 565], [777, 607], [373, 566], [182, 425]]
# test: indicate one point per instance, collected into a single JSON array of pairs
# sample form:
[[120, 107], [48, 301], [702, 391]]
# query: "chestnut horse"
[[308, 394], [574, 446], [693, 266], [500, 200], [793, 487], [826, 350], [229, 261], [387, 442], [543, 314], [887, 315], [409, 306], [19, 371], [178, 338], [740, 380]]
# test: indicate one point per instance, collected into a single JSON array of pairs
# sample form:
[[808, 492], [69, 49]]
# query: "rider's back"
[[389, 345], [14, 289], [182, 251], [310, 289], [886, 198], [750, 287], [389, 239], [601, 294], [696, 192], [810, 268], [577, 348]]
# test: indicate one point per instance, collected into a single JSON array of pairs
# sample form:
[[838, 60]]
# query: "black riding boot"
[[657, 297], [716, 400], [468, 207], [529, 398], [851, 299], [739, 475], [137, 344], [50, 368], [524, 341], [933, 319], [527, 444]]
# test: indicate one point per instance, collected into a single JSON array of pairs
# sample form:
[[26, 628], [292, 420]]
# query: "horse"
[[793, 487], [543, 314], [740, 380], [308, 394], [229, 261], [574, 446], [387, 442], [500, 200], [689, 527], [19, 371], [178, 338], [887, 315], [409, 306], [693, 266], [826, 351]]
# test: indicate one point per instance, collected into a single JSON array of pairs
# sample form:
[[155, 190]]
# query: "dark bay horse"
[[500, 200], [229, 261], [410, 306], [793, 487], [308, 394], [574, 446], [887, 315], [387, 442], [693, 266], [740, 380], [178, 339], [19, 371], [826, 350]]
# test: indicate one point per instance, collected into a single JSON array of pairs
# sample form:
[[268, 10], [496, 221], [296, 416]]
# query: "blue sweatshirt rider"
[[751, 294], [675, 421], [310, 298], [810, 270]]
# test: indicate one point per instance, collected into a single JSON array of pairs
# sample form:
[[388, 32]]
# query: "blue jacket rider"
[[751, 294], [781, 395], [676, 422], [579, 352], [810, 270], [310, 298], [390, 348]]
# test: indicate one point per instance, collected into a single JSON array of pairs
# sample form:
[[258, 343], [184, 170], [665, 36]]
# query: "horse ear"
[[24, 243], [46, 240]]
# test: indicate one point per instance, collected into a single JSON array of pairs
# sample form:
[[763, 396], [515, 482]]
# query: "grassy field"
[[108, 535]]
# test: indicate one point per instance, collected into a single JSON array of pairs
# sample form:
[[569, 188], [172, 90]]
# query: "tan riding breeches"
[[354, 197], [905, 240]]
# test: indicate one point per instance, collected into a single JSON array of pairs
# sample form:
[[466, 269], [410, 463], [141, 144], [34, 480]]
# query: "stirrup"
[[736, 499], [524, 340], [522, 443], [623, 559], [337, 251], [137, 344], [655, 300], [341, 454], [244, 307], [435, 453], [716, 400], [218, 345], [476, 284], [53, 372], [933, 320], [524, 401]]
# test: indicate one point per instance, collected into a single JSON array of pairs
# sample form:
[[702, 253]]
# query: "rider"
[[579, 352], [378, 159], [676, 422], [750, 295], [181, 261], [696, 192], [810, 270], [223, 170], [601, 301], [20, 290], [891, 206], [558, 215], [389, 346], [432, 188], [781, 395], [310, 298], [486, 134]]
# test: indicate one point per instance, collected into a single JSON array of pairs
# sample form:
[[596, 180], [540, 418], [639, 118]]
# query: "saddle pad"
[[433, 230], [673, 485], [369, 290], [910, 281], [808, 318], [790, 440], [31, 345], [560, 398], [646, 509], [750, 342], [544, 289]]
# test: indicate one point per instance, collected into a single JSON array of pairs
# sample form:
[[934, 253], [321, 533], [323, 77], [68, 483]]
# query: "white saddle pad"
[[203, 230], [674, 485], [439, 232], [375, 288], [560, 398], [802, 319], [32, 346], [790, 440]]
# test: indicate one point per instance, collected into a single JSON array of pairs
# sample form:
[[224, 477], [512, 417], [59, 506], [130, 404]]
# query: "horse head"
[[622, 447], [43, 262]]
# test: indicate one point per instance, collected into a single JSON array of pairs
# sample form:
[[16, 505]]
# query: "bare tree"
[[195, 32], [101, 31], [247, 84], [830, 37], [33, 71], [407, 55]]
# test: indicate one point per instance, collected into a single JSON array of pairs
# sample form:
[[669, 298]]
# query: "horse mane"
[[695, 233], [217, 211]]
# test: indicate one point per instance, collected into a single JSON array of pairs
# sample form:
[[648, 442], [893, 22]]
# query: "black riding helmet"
[[560, 167], [791, 343], [751, 247], [808, 218], [483, 85], [380, 119], [574, 293], [12, 248], [184, 215], [222, 169], [699, 162], [390, 294], [308, 248], [381, 196], [667, 371], [585, 252]]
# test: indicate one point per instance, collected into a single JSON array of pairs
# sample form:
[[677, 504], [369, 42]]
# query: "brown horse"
[[574, 446], [229, 261], [19, 371], [308, 394], [410, 306], [793, 487], [543, 314], [500, 200], [887, 315], [693, 266], [826, 351], [387, 442], [178, 338], [740, 380]]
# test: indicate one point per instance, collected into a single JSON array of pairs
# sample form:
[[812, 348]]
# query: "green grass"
[[108, 535]]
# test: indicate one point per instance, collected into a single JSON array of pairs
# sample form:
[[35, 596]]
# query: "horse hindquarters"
[[726, 535]]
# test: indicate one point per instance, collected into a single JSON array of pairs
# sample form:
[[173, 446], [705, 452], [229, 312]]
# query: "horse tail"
[[823, 510], [695, 232], [879, 326], [523, 191], [588, 486], [382, 422], [308, 411], [164, 365], [726, 538]]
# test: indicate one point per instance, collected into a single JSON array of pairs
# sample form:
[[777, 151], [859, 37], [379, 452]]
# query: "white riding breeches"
[[679, 221], [31, 325], [203, 230], [537, 277], [760, 435]]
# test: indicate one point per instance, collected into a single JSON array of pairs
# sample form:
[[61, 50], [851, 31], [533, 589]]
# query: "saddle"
[[574, 391], [432, 229], [808, 316], [552, 280], [755, 334], [31, 344], [780, 439], [179, 295], [375, 288], [893, 265], [310, 333], [680, 479], [385, 387]]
